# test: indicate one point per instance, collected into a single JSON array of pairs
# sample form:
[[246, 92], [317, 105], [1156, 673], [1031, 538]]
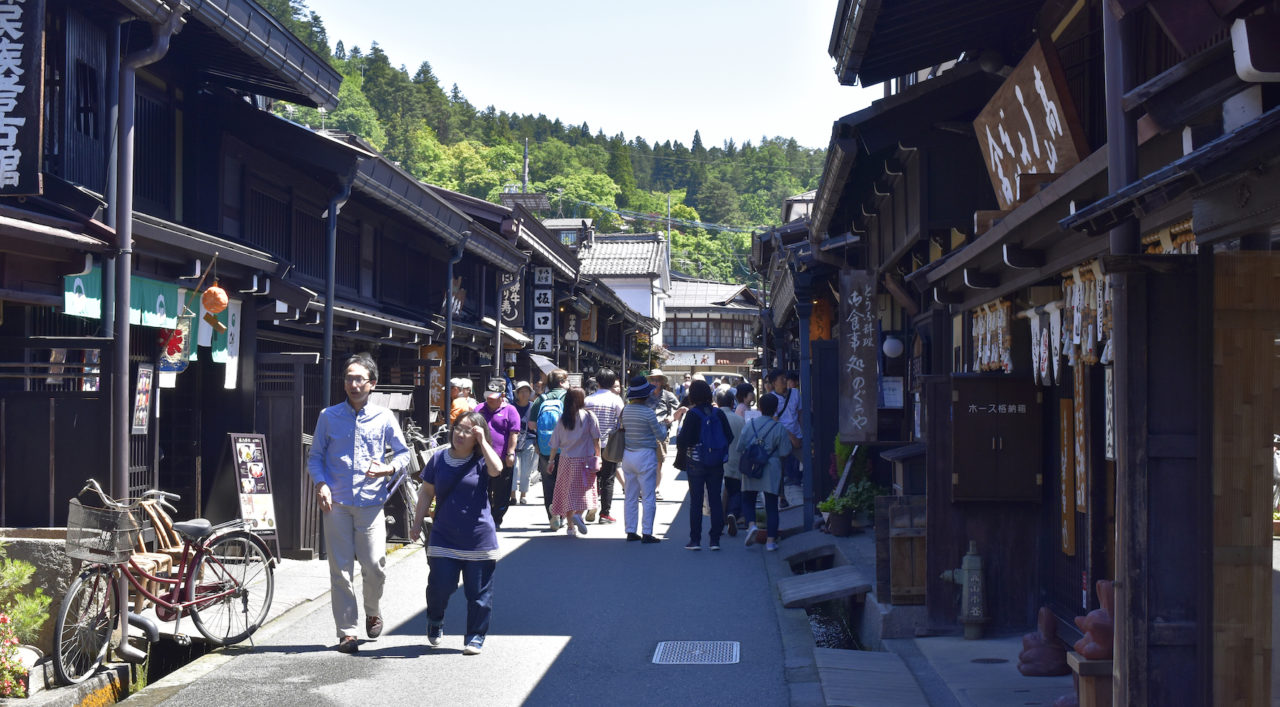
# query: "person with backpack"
[[732, 476], [543, 417], [701, 450], [763, 445]]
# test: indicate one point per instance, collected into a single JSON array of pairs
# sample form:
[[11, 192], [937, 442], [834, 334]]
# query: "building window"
[[691, 333], [569, 238], [86, 100]]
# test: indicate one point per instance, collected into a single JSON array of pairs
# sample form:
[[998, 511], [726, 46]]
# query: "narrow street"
[[575, 620]]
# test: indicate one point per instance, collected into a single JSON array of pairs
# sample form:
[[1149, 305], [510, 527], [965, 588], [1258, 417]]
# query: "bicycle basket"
[[104, 535]]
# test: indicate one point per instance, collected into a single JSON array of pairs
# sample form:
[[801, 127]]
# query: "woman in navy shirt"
[[463, 539]]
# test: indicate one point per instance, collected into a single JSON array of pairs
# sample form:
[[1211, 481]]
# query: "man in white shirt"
[[607, 406]]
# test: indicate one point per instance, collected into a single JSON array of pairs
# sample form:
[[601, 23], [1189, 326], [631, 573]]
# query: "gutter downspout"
[[448, 322], [120, 397], [331, 280], [113, 157]]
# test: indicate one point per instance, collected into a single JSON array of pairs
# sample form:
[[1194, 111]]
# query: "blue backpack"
[[548, 416], [755, 457], [713, 446]]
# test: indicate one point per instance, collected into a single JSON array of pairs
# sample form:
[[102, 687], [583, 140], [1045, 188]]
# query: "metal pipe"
[[448, 322], [113, 157], [124, 268], [331, 282]]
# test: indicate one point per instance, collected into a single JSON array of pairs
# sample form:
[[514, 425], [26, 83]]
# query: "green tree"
[[355, 115], [619, 169]]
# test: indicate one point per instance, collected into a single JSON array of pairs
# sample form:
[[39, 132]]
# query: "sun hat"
[[523, 384], [657, 373], [640, 388], [463, 383]]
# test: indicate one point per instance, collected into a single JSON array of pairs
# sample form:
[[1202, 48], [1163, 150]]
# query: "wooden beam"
[[942, 296], [984, 219], [1018, 257], [978, 280], [900, 295], [1030, 184]]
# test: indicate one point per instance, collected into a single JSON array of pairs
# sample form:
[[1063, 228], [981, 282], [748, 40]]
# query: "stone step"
[[807, 546]]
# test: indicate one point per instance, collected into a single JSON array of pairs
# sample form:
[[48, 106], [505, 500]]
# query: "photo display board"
[[253, 481]]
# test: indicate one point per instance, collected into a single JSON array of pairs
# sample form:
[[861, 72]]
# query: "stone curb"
[[799, 669], [111, 685]]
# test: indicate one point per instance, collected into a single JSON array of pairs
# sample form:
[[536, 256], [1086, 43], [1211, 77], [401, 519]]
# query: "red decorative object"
[[172, 340], [214, 299]]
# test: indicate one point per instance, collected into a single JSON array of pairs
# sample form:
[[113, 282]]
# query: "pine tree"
[[620, 170]]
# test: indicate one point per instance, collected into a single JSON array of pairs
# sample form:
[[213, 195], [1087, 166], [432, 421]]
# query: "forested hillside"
[[441, 138]]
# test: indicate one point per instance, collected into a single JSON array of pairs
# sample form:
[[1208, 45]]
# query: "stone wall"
[[44, 548]]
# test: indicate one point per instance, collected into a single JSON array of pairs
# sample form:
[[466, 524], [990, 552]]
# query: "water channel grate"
[[696, 653]]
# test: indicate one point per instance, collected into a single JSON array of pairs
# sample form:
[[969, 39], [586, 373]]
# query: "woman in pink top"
[[576, 444]]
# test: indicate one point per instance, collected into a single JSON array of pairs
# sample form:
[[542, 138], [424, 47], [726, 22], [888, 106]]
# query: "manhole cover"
[[696, 653], [990, 661]]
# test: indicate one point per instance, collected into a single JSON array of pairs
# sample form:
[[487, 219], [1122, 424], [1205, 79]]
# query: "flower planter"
[[1275, 528], [840, 524]]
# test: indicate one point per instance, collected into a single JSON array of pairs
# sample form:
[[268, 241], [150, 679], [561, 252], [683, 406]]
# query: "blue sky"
[[735, 69]]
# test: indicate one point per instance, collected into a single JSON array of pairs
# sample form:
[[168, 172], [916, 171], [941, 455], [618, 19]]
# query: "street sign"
[[542, 298], [542, 321], [542, 343], [542, 276]]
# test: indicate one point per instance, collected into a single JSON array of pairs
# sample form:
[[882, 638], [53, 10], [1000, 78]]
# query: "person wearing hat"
[[504, 425], [460, 393], [664, 402], [526, 444], [641, 433]]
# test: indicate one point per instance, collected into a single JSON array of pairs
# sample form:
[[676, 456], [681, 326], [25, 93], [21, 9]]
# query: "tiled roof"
[[624, 254], [552, 224], [702, 294]]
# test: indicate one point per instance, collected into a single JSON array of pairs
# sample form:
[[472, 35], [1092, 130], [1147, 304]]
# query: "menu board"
[[253, 481]]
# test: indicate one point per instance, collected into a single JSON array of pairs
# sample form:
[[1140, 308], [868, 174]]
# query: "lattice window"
[[266, 223]]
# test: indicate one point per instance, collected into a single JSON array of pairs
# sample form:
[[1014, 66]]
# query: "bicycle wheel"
[[231, 583], [85, 621]]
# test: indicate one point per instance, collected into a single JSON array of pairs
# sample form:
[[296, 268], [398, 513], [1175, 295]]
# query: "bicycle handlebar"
[[93, 485]]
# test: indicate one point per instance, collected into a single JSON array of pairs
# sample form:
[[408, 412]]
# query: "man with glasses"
[[352, 477]]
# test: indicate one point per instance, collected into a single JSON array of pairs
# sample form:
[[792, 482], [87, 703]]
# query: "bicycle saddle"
[[195, 529]]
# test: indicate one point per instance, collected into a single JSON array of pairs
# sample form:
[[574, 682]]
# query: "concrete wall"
[[44, 548]]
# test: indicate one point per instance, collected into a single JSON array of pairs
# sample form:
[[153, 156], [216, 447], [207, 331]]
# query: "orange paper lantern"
[[214, 299]]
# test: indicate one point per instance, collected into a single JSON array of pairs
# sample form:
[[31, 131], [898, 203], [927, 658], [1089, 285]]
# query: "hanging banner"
[[511, 299], [858, 361], [435, 380], [1067, 474], [21, 96], [151, 302], [588, 325], [1081, 440], [233, 344]]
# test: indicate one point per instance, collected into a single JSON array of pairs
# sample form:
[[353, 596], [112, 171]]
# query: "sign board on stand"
[[244, 474]]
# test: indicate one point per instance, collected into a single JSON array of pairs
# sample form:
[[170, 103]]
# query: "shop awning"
[[513, 334]]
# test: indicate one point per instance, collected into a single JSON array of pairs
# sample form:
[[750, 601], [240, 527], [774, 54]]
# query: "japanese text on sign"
[[21, 54], [542, 276], [1029, 126], [998, 408], [542, 298], [542, 321], [542, 343], [511, 300], [857, 357]]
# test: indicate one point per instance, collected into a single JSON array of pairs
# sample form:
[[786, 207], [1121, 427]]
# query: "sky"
[[732, 69]]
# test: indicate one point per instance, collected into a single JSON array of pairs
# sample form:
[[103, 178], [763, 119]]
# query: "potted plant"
[[839, 510], [862, 494], [1275, 524]]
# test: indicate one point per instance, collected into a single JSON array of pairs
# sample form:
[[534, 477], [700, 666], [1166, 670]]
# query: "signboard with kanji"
[[21, 96], [542, 298], [542, 277], [858, 360], [542, 343], [511, 299], [1029, 126], [542, 321]]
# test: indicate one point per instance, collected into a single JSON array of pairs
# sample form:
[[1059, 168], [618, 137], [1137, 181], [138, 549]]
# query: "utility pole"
[[524, 184]]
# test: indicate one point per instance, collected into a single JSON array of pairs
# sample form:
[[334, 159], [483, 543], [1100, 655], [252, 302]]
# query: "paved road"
[[576, 620]]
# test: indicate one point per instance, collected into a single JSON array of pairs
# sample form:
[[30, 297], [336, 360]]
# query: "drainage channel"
[[829, 621], [167, 656]]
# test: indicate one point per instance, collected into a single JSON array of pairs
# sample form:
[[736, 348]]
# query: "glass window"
[[691, 333], [569, 238]]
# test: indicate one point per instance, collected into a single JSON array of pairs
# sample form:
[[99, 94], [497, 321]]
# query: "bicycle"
[[225, 581]]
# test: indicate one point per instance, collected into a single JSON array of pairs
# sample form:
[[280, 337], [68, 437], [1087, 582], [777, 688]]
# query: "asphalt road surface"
[[575, 621]]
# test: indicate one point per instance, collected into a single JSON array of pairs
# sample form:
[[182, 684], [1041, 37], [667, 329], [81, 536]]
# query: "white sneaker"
[[751, 536], [770, 546], [555, 523]]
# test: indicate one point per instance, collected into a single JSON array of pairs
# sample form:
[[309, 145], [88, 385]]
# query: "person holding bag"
[[761, 449], [575, 449], [463, 537]]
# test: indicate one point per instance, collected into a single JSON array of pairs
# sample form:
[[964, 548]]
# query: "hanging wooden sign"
[[1030, 125], [21, 97], [1067, 474], [858, 360], [1081, 439]]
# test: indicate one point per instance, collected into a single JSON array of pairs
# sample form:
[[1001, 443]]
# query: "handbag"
[[615, 448]]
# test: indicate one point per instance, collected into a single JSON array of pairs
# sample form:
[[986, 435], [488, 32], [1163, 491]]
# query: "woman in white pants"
[[641, 431]]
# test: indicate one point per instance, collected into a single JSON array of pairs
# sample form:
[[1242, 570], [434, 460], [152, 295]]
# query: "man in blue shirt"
[[352, 477]]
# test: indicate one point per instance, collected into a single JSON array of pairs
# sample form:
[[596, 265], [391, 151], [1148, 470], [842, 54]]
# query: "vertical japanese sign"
[[857, 357], [1067, 473], [1029, 126], [1081, 439], [435, 378], [21, 96], [511, 299]]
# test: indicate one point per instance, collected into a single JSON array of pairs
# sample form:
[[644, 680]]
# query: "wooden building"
[[1090, 407]]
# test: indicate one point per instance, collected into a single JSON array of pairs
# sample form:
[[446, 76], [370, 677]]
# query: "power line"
[[658, 218]]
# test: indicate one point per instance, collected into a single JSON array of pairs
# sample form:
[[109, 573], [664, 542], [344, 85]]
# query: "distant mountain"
[[623, 184]]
